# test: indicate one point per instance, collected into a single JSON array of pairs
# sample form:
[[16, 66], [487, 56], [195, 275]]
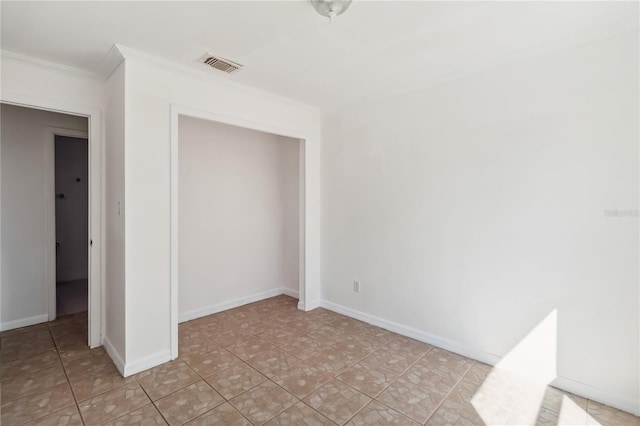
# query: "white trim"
[[50, 210], [432, 339], [175, 112], [48, 65], [310, 305], [146, 363], [110, 62], [596, 394], [113, 354], [95, 196], [302, 223], [463, 349], [173, 243], [289, 292], [219, 307], [24, 322]]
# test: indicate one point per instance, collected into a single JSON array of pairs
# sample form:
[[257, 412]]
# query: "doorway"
[[71, 224], [28, 229]]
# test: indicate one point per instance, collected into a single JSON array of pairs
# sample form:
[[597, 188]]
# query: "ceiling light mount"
[[330, 8]]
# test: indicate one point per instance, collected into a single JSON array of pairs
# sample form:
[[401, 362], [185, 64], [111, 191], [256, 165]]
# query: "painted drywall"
[[29, 81], [472, 209], [71, 206], [234, 214], [150, 91], [114, 216], [291, 182], [24, 235]]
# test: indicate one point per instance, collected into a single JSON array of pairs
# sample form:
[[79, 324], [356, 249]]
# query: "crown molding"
[[612, 28], [110, 62], [47, 65]]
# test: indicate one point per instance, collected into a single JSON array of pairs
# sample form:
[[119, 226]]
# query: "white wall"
[[472, 209], [28, 81], [114, 216], [72, 214], [24, 235], [232, 222], [291, 182], [150, 92]]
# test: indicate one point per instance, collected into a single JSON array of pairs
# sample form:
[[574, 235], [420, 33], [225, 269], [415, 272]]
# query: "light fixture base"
[[330, 8]]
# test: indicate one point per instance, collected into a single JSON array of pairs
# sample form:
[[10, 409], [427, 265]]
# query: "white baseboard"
[[404, 330], [24, 322], [596, 394], [290, 293], [563, 383], [219, 307], [113, 353], [129, 369], [309, 306], [146, 363]]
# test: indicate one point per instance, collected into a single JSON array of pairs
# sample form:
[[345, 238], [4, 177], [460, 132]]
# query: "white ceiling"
[[288, 49]]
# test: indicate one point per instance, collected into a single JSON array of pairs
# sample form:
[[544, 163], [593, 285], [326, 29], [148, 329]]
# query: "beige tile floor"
[[269, 363]]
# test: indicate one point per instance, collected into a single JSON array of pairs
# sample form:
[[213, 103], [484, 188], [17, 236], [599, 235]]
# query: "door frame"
[[303, 243], [96, 194], [50, 211]]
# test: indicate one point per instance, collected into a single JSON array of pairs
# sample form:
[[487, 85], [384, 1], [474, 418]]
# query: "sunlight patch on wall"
[[516, 390]]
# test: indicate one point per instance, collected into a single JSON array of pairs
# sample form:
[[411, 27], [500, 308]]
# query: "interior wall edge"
[[563, 383], [114, 354], [145, 363]]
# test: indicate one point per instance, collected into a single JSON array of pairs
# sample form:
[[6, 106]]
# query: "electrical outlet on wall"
[[356, 286]]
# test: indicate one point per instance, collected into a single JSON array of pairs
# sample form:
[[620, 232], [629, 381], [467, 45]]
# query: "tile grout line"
[[386, 387], [64, 370], [450, 391], [150, 400], [223, 397]]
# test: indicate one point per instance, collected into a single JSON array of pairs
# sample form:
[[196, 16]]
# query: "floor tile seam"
[[449, 393], [35, 392], [74, 404], [396, 379], [98, 370], [4, 380], [280, 412], [173, 391], [285, 351], [122, 414], [252, 368], [355, 390], [80, 401], [22, 356], [316, 411], [226, 368], [151, 401], [517, 397], [397, 410], [357, 411], [224, 401], [75, 401], [244, 391], [306, 394], [252, 356]]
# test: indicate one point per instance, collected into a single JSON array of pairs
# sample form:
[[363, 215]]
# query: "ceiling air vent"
[[220, 64]]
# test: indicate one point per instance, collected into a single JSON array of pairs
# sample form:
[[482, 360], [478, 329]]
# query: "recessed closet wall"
[[238, 216]]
